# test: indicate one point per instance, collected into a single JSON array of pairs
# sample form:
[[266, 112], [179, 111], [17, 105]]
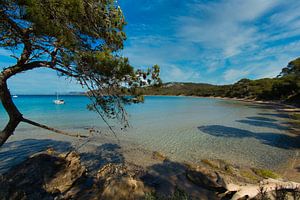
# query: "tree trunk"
[[15, 117]]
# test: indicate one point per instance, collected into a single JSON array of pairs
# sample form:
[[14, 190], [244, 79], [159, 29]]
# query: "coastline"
[[276, 106], [146, 161], [236, 99], [162, 176], [133, 153]]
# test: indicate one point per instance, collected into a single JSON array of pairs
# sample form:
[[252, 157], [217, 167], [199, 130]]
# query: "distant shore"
[[275, 103]]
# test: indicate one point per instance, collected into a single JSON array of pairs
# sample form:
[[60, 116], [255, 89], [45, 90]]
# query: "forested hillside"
[[285, 87]]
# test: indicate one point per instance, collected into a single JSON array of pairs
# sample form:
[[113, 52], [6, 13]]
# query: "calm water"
[[184, 128]]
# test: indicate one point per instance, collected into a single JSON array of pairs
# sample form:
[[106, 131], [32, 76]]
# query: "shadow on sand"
[[165, 177], [272, 139], [13, 153], [262, 119], [278, 115], [265, 124], [106, 153], [168, 176]]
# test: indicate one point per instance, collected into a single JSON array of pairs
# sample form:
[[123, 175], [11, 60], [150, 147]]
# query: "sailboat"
[[58, 101]]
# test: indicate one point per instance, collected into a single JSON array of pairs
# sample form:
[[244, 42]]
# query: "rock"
[[158, 156], [42, 176], [66, 177], [123, 188], [206, 178], [211, 163], [268, 185], [50, 151], [118, 183]]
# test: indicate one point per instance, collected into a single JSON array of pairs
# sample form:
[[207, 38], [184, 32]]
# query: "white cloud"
[[206, 41], [180, 74], [226, 25], [237, 35], [232, 75]]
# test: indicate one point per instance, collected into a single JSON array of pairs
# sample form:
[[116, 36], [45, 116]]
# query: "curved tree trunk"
[[15, 117]]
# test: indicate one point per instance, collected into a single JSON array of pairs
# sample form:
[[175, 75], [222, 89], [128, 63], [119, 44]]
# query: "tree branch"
[[14, 25], [13, 70], [24, 34], [52, 129], [63, 71], [27, 50]]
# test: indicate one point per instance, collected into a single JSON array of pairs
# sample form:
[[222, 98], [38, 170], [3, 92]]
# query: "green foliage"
[[178, 195], [265, 173], [79, 39], [286, 88], [293, 68], [296, 116], [249, 175], [74, 24]]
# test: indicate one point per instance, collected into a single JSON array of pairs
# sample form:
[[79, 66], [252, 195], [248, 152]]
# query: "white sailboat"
[[58, 101]]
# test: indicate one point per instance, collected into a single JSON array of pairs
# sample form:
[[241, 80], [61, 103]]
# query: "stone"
[[118, 183], [252, 190], [158, 156], [66, 177], [123, 188], [42, 176], [205, 178]]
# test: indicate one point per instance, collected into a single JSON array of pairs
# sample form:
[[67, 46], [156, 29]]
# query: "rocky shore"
[[50, 175]]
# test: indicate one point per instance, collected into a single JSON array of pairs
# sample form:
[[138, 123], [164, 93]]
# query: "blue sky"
[[214, 41]]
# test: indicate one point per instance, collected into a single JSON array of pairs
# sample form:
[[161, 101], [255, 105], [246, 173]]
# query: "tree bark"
[[15, 117]]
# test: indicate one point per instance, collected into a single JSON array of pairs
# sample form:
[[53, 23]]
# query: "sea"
[[185, 129]]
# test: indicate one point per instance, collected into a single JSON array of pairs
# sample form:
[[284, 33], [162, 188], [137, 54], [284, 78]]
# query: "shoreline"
[[133, 153], [146, 153], [288, 169], [278, 103]]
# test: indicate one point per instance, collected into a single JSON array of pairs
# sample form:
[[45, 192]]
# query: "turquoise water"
[[183, 128]]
